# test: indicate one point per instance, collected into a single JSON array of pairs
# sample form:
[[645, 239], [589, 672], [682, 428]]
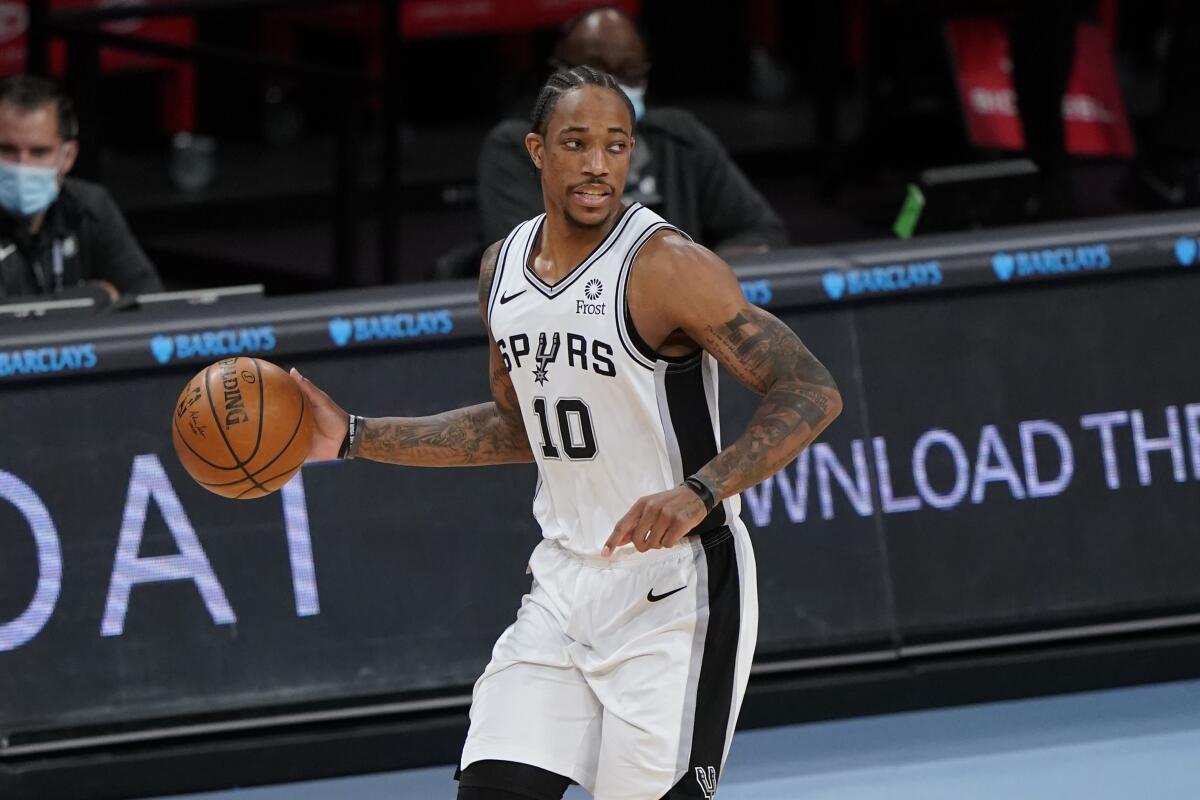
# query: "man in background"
[[58, 235], [678, 168]]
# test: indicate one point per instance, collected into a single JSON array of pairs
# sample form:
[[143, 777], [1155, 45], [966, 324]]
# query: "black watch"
[[702, 491]]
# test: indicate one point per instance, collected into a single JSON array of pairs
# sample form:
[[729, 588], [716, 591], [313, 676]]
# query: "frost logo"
[[834, 283], [340, 330], [1003, 265], [162, 347], [592, 292], [707, 778], [1185, 251]]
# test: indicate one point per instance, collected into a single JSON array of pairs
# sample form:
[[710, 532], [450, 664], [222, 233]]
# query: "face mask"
[[27, 190], [637, 96]]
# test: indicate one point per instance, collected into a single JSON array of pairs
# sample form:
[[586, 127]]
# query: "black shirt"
[[678, 169], [83, 237]]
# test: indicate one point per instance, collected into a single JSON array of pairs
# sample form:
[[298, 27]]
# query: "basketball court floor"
[[1124, 743]]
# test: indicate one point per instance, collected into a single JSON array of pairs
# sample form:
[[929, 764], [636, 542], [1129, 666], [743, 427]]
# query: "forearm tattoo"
[[472, 436], [799, 400], [489, 433]]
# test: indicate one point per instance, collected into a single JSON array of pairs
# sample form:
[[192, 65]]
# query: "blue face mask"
[[637, 96], [27, 190]]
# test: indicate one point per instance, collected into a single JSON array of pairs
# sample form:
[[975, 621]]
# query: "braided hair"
[[569, 80]]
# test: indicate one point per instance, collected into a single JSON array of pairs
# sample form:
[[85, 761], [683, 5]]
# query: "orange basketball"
[[242, 428]]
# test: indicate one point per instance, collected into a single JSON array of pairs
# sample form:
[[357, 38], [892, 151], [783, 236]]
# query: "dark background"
[[830, 108]]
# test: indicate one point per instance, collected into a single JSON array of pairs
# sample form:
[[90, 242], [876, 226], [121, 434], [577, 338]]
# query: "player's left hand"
[[657, 520], [330, 420]]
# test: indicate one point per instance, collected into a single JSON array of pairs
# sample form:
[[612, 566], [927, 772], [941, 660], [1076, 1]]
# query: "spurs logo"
[[707, 778], [545, 357]]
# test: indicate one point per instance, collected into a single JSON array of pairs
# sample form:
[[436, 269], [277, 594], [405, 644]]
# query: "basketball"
[[242, 428]]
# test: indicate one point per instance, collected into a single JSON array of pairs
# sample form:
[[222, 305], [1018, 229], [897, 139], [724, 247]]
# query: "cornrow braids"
[[564, 81]]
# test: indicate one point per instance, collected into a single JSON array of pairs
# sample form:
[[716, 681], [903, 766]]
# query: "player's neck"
[[563, 246]]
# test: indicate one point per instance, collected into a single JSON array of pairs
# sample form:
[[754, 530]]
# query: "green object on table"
[[910, 212]]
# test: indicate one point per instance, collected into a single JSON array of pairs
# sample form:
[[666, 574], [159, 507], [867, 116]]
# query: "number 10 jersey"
[[608, 419]]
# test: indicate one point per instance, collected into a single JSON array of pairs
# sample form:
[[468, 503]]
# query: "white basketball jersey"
[[608, 419]]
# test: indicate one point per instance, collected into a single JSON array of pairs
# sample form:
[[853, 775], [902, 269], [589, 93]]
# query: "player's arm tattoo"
[[472, 436], [799, 400], [488, 433]]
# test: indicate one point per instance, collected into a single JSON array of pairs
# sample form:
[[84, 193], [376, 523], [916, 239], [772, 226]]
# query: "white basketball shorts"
[[625, 675]]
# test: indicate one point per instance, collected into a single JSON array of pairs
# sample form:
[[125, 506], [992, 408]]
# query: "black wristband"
[[357, 426], [702, 491], [350, 444]]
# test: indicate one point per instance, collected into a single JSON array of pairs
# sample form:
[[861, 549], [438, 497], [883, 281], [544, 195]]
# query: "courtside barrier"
[[1018, 462], [421, 314]]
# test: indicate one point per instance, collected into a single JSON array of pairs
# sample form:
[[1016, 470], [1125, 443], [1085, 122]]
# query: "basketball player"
[[626, 666]]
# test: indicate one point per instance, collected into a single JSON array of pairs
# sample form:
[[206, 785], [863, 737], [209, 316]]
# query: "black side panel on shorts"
[[509, 780], [684, 385], [714, 690]]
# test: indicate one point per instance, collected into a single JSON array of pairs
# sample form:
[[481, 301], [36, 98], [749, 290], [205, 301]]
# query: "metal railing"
[[349, 90]]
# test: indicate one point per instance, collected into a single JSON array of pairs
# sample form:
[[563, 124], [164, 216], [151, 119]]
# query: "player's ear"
[[536, 146]]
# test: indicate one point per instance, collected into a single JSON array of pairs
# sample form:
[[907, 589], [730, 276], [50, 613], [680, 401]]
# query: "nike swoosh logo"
[[7, 251], [505, 298], [654, 598]]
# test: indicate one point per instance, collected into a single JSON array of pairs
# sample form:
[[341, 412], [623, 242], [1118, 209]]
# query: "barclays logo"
[[340, 330], [47, 360], [1051, 261], [386, 327], [213, 344], [1003, 265], [1186, 250], [882, 280], [161, 347], [757, 292], [834, 283]]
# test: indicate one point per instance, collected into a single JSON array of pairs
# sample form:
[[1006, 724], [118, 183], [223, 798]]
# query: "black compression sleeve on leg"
[[509, 780], [476, 793]]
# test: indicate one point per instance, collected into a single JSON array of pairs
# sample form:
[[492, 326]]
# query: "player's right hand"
[[657, 520], [330, 421]]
